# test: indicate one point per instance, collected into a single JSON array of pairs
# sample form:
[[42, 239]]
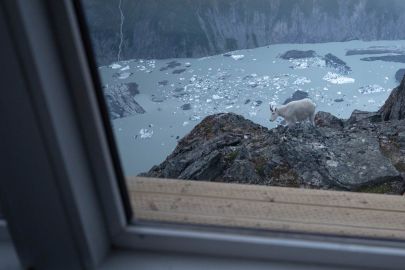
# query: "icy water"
[[178, 93]]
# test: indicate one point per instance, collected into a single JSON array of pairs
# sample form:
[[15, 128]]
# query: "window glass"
[[300, 94]]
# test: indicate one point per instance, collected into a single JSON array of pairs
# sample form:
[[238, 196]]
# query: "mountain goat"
[[295, 111]]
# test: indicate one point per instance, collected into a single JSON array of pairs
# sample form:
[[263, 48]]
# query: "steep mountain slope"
[[195, 28]]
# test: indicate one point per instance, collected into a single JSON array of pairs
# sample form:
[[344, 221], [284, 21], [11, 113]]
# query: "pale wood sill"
[[271, 208]]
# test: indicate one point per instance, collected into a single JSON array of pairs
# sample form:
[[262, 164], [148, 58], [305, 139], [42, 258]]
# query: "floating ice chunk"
[[216, 97], [125, 68], [371, 89], [124, 75], [115, 66], [195, 118], [337, 79], [301, 81], [237, 56], [146, 133], [185, 123]]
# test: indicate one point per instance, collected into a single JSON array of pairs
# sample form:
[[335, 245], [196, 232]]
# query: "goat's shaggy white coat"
[[295, 111]]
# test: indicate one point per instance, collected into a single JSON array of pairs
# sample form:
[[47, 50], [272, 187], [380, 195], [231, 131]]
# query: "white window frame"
[[81, 172]]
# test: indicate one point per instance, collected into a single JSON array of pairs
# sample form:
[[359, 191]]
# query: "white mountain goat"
[[295, 111]]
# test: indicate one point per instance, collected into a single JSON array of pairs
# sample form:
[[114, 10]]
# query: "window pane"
[[300, 94]]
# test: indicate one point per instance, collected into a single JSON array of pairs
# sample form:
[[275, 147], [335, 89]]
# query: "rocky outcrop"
[[196, 28], [334, 155], [121, 101], [394, 107], [364, 153]]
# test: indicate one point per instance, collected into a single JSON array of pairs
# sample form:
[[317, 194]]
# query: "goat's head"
[[274, 113]]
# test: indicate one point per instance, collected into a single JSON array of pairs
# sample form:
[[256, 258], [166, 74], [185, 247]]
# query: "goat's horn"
[[271, 108]]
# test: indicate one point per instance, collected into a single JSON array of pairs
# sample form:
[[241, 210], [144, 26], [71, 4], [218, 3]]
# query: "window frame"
[[96, 207]]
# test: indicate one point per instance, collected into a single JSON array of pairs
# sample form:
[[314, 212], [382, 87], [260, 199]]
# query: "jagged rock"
[[400, 74], [394, 106], [325, 119], [296, 54], [297, 95], [360, 117], [121, 100], [230, 148]]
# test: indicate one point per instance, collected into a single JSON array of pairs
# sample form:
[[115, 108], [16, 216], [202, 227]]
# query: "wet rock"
[[297, 54], [339, 100], [297, 95], [229, 148], [121, 101]]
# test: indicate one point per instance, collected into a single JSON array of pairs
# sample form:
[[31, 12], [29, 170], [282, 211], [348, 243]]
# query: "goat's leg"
[[312, 119]]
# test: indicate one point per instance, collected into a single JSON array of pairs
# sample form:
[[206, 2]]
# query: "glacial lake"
[[178, 93]]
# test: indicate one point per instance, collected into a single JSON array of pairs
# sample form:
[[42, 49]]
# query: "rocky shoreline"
[[365, 153]]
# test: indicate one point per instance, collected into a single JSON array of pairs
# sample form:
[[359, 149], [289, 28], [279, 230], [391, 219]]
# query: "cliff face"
[[363, 153], [195, 28]]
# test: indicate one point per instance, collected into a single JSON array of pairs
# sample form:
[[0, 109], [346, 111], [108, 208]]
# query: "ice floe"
[[371, 89], [337, 78], [237, 56], [146, 133], [115, 66]]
